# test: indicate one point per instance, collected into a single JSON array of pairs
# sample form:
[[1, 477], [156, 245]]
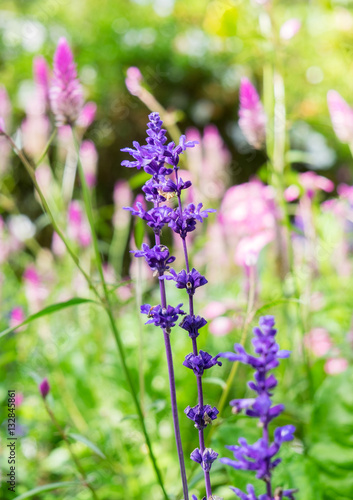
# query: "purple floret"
[[201, 362]]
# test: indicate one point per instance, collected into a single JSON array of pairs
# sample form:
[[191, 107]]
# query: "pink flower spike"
[[41, 75], [221, 326], [252, 117], [87, 114], [341, 116], [290, 28], [2, 126], [133, 80], [312, 182], [66, 95], [44, 388], [89, 160]]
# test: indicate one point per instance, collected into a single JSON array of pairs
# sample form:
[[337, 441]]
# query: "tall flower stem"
[[195, 351], [168, 351], [105, 301], [73, 456]]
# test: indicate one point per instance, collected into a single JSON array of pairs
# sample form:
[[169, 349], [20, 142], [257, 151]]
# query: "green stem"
[[47, 146], [73, 456], [109, 311]]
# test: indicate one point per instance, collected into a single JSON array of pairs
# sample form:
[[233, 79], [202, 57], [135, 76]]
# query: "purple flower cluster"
[[161, 160], [260, 456]]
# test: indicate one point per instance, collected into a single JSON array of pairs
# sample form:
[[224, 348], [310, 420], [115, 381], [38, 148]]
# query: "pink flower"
[[2, 126], [19, 399], [248, 249], [334, 366], [87, 114], [122, 198], [41, 77], [252, 117], [35, 133], [78, 228], [213, 310], [291, 193], [248, 209], [57, 245], [17, 316], [133, 80], [290, 28], [341, 116], [221, 326], [318, 341], [66, 95], [312, 182], [89, 160]]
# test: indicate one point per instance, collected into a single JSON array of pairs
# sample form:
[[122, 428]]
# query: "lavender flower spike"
[[252, 117], [260, 456], [66, 96]]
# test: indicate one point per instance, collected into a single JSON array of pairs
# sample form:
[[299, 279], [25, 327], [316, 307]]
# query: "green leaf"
[[49, 310], [46, 487], [331, 435], [277, 302], [139, 232], [215, 381], [138, 180], [87, 442]]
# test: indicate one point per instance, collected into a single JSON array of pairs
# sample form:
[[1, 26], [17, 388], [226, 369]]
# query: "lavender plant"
[[260, 456], [161, 161]]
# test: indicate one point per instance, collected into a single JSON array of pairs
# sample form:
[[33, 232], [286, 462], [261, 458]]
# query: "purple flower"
[[44, 388], [153, 156], [190, 281], [260, 456], [157, 257], [164, 317], [192, 325], [252, 117], [201, 362], [66, 96], [201, 415], [156, 218], [205, 459], [183, 222]]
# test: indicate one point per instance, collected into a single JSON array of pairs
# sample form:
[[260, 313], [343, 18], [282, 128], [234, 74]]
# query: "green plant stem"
[[73, 456], [47, 146], [109, 311]]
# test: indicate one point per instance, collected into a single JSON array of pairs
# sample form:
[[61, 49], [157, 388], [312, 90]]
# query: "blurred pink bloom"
[[44, 388], [87, 114], [35, 290], [221, 326], [346, 192], [318, 341], [122, 198], [341, 116], [248, 249], [290, 28], [42, 77], [248, 209], [35, 134], [44, 178], [89, 160], [252, 117], [2, 126], [66, 96], [17, 316], [291, 193], [312, 182], [334, 366], [77, 227], [213, 309], [19, 399], [57, 245], [133, 80], [124, 292]]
